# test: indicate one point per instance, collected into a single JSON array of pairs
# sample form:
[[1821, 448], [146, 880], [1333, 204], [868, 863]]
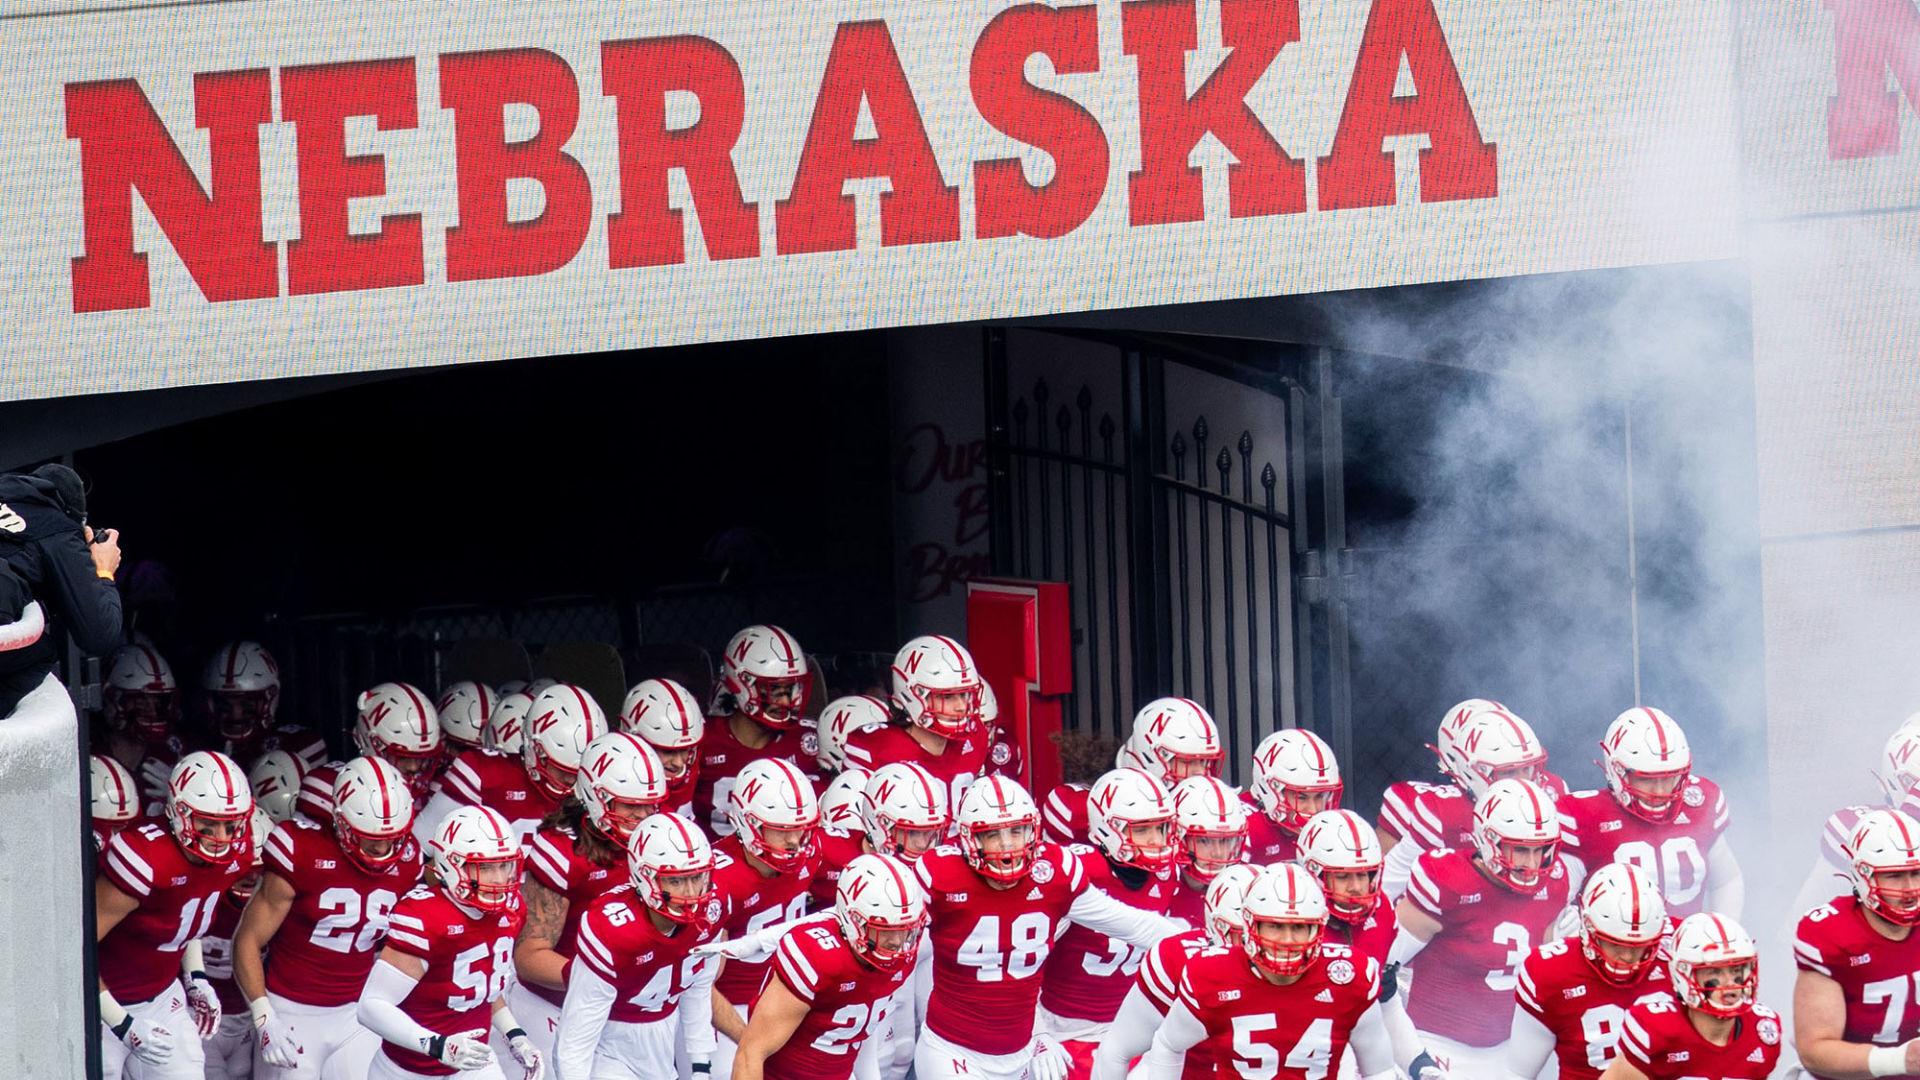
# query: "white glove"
[[526, 1055], [204, 1004], [278, 1046], [1049, 1060], [467, 1051], [151, 1043]]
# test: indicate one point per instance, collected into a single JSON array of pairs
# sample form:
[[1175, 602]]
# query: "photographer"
[[64, 566]]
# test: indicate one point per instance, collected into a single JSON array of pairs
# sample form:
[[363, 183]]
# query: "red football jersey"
[[721, 757], [1088, 974], [1267, 843], [1439, 815], [1463, 979], [649, 970], [1373, 936], [837, 849], [499, 783], [316, 793], [1295, 1032], [1189, 903], [1063, 815], [178, 900], [1159, 981], [333, 932], [1659, 1040], [1558, 986], [216, 952], [753, 903], [962, 762], [849, 1001], [554, 862], [469, 963], [990, 945], [1876, 974], [1597, 829]]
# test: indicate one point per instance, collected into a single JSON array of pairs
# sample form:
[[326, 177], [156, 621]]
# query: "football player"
[[1477, 747], [394, 722], [638, 988], [506, 730], [240, 692], [832, 986], [665, 714], [998, 899], [938, 690], [463, 709], [1173, 739], [559, 724], [841, 719], [842, 834], [1284, 1003], [443, 973], [1088, 973], [1657, 815], [579, 853], [1573, 994], [1209, 835], [140, 704], [1157, 986], [1859, 957], [230, 1051], [1710, 1025], [764, 684], [158, 892], [304, 948], [1470, 918], [115, 802], [1294, 778], [1898, 775], [762, 872], [1063, 819]]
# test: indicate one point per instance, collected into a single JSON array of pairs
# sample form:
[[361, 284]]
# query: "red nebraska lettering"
[[1870, 39], [317, 101], [1005, 204]]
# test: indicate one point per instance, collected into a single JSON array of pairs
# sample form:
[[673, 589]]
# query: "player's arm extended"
[[1373, 1046], [1179, 1032], [1528, 1047], [583, 1016], [258, 923], [1726, 886], [1819, 1024], [1095, 910], [394, 976], [777, 1013], [1128, 1037], [534, 958]]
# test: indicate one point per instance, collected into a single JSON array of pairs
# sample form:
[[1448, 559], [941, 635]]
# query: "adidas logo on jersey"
[[1324, 995], [1036, 894], [1680, 818], [1758, 1057]]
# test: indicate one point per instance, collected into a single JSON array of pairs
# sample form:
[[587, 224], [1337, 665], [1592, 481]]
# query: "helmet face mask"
[[881, 911], [774, 811], [1522, 866], [775, 702], [213, 837], [684, 897], [1714, 965], [372, 812], [1284, 947], [1724, 990], [147, 715], [1001, 852], [242, 715], [209, 806], [765, 677], [489, 884], [1286, 921], [904, 811], [1298, 805], [937, 687], [1342, 853], [671, 865], [1647, 763]]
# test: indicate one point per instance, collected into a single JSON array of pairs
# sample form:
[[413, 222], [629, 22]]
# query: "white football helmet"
[[209, 805], [562, 720], [114, 795], [620, 784], [773, 793], [1283, 895], [672, 868], [1886, 842], [664, 713], [881, 909], [765, 675], [1454, 725], [841, 803], [936, 685], [242, 688], [840, 719], [1647, 762], [372, 805], [259, 827], [989, 703], [1899, 769], [1173, 738], [991, 805], [1225, 904], [1295, 777], [905, 810], [477, 859], [1621, 905], [140, 695], [395, 721], [1517, 833], [1710, 941], [506, 730], [464, 708], [1130, 818], [275, 780], [1495, 745], [1209, 826], [1342, 842]]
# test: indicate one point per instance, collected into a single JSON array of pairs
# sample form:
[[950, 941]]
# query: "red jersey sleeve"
[[407, 925], [598, 938], [550, 860], [282, 849], [1813, 945], [127, 864], [316, 794], [461, 782], [798, 961], [1396, 812], [1428, 888]]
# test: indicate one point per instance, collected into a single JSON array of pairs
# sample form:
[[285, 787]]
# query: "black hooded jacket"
[[44, 546]]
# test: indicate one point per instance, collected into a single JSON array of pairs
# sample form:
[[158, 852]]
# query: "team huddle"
[[504, 883]]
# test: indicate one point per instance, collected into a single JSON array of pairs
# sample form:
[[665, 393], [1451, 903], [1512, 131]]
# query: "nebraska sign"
[[492, 180]]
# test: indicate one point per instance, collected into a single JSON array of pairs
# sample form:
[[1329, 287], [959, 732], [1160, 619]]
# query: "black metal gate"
[[1196, 556]]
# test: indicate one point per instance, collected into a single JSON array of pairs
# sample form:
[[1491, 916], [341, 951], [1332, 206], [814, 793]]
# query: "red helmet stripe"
[[586, 711], [920, 776], [233, 660], [226, 775], [1633, 886], [419, 707], [958, 653], [119, 789], [786, 643], [386, 804], [1353, 832], [1513, 725], [678, 705], [1906, 838], [1533, 796], [646, 758]]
